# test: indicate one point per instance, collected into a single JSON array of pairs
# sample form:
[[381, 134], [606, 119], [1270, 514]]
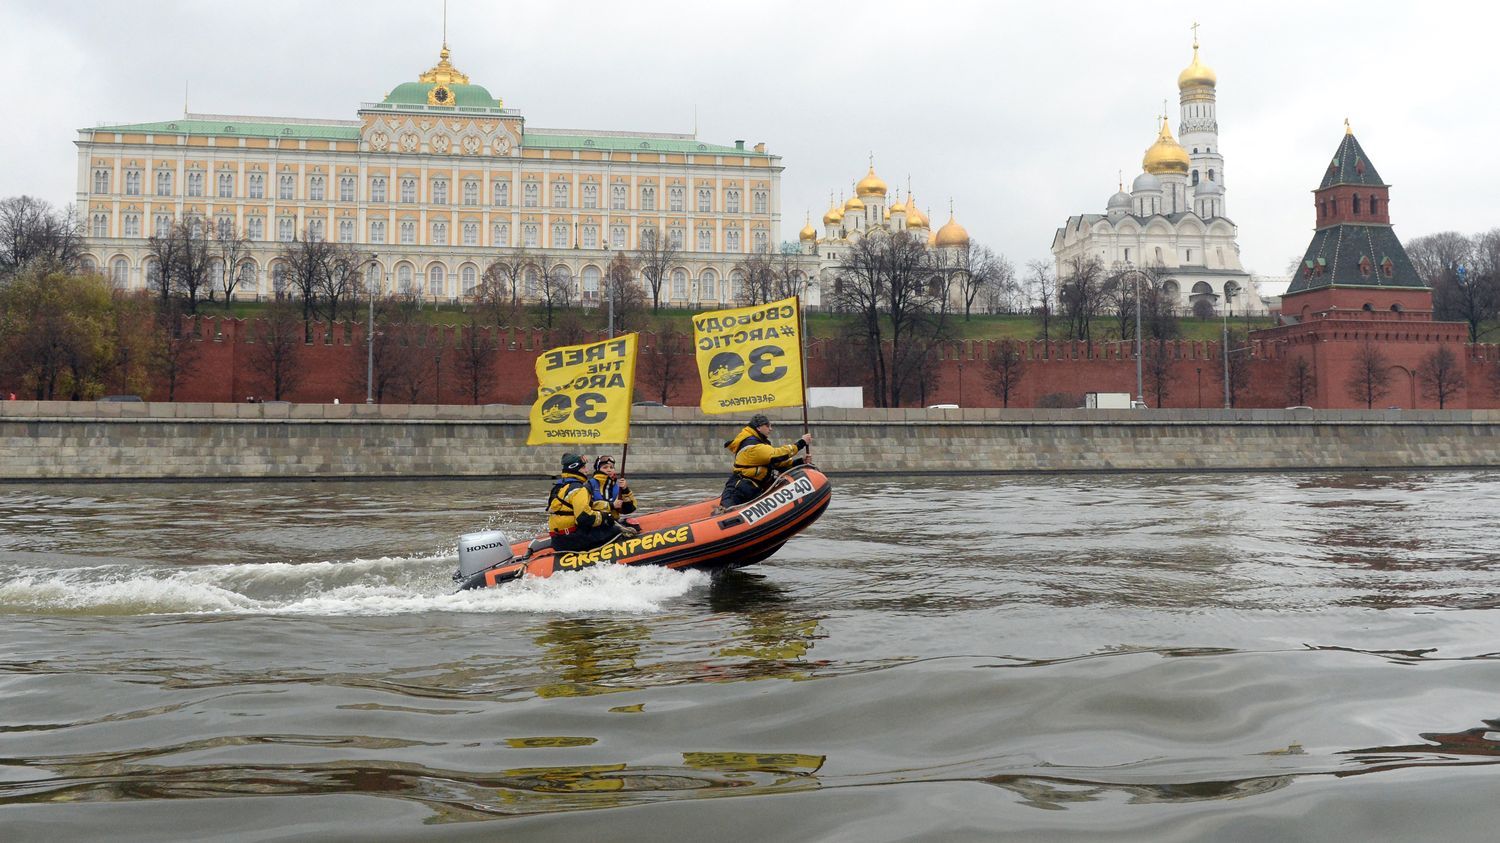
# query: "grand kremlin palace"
[[437, 180]]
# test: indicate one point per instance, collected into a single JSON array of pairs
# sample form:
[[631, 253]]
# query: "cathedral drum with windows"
[[1172, 223]]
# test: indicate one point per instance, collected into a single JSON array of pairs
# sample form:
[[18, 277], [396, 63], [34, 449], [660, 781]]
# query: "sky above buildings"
[[1022, 114]]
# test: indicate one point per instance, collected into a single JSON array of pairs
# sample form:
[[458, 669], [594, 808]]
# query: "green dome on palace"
[[464, 96], [442, 75]]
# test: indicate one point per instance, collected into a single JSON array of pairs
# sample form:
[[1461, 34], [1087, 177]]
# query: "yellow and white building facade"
[[437, 180]]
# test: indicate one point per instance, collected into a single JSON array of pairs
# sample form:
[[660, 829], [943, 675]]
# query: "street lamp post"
[[370, 336], [609, 289], [1140, 391], [1225, 350]]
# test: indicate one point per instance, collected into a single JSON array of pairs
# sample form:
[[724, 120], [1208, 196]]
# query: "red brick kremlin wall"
[[335, 368]]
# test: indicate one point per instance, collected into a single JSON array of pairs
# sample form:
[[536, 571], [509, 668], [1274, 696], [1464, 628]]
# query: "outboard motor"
[[479, 552]]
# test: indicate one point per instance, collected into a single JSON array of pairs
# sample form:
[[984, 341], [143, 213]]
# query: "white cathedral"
[[1173, 222]]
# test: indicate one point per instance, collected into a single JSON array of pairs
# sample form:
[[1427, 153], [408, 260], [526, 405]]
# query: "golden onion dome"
[[808, 232], [853, 204], [914, 216], [833, 215], [897, 207], [870, 185], [1197, 74], [951, 234], [1166, 155]]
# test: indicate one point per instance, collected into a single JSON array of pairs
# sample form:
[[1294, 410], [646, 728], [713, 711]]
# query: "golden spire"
[[1347, 129], [444, 73]]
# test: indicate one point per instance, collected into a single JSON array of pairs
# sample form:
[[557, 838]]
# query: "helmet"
[[602, 459], [572, 462], [759, 419]]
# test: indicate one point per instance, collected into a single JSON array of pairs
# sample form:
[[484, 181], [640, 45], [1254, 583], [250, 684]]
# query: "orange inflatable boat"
[[685, 537]]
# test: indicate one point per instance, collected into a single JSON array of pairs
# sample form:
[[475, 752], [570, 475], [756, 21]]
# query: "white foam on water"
[[385, 586]]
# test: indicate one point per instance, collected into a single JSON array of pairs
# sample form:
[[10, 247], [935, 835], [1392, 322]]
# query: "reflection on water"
[[1093, 649]]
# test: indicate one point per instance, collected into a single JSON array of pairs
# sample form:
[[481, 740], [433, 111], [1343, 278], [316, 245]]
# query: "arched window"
[[560, 194], [471, 192], [249, 279], [226, 185], [648, 199], [731, 201], [1158, 254], [708, 286], [1195, 177], [679, 284], [346, 231], [617, 197], [315, 188], [403, 278], [377, 189], [101, 225], [533, 281], [440, 233], [705, 200], [373, 277], [119, 272], [732, 240], [346, 188], [408, 190], [591, 282], [1374, 205], [705, 239], [502, 193], [436, 276], [470, 277], [675, 199], [737, 284], [279, 279], [101, 181], [439, 191], [1356, 204]]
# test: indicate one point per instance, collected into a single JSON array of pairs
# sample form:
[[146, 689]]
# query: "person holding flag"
[[752, 358], [757, 461]]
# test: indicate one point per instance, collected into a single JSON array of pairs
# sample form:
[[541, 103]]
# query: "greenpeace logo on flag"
[[799, 489]]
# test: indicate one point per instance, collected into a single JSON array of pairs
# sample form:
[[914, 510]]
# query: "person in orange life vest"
[[607, 485], [575, 519], [757, 461]]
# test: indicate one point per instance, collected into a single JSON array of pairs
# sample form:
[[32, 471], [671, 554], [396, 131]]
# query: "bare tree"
[[278, 346], [392, 355], [620, 288], [341, 279], [558, 286], [1441, 375], [665, 367], [306, 260], [164, 250], [1006, 368], [891, 285], [1371, 378], [655, 257], [1433, 255], [1301, 382], [979, 275], [499, 291], [1081, 296], [1240, 370], [1042, 286], [1158, 371], [474, 362], [33, 233], [789, 279], [759, 284], [176, 349], [231, 247]]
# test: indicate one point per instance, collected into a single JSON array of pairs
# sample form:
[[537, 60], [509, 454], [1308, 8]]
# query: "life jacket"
[[561, 517], [606, 488], [758, 473]]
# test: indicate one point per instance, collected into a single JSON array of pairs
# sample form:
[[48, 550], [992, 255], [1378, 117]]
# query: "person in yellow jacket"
[[575, 519], [757, 461], [607, 485]]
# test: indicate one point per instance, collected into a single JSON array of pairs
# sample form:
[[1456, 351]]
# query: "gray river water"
[[1128, 657]]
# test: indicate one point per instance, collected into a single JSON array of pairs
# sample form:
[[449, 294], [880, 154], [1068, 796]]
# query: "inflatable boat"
[[689, 536]]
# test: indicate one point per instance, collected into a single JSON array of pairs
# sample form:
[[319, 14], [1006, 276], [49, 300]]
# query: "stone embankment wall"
[[62, 440]]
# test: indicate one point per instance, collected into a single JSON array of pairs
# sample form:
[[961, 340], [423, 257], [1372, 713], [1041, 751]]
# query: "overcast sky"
[[1022, 113]]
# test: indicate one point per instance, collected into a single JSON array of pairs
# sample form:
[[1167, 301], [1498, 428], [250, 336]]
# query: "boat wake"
[[384, 586]]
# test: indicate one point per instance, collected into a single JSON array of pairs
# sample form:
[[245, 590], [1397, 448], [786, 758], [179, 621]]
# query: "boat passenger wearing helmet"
[[574, 518], [757, 461], [607, 485]]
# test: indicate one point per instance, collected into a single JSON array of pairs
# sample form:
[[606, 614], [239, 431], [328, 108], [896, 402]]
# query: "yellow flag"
[[749, 358], [583, 393]]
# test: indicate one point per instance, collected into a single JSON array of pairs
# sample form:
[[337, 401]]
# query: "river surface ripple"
[[1125, 657]]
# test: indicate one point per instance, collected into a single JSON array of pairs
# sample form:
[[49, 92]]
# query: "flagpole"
[[802, 361]]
